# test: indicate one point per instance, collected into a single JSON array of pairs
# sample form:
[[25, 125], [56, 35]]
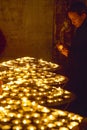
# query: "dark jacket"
[[78, 59]]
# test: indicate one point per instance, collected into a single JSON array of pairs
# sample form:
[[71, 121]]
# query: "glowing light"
[[28, 85]]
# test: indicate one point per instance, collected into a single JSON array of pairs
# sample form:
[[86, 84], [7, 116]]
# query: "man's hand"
[[62, 49]]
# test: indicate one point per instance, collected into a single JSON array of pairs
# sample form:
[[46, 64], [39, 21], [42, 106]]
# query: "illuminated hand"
[[62, 49]]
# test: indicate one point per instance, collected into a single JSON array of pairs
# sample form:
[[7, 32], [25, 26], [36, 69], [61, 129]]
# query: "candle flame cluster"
[[28, 85]]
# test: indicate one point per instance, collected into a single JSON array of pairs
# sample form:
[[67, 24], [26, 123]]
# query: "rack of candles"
[[43, 94], [27, 90], [27, 68], [21, 75], [34, 63], [23, 114]]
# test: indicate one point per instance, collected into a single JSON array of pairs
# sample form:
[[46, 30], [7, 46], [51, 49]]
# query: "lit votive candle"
[[58, 123], [15, 90], [31, 127], [11, 114], [26, 121], [10, 101], [67, 96], [3, 101], [8, 106], [51, 125], [28, 94], [50, 101], [36, 115], [19, 115], [45, 120], [1, 96], [37, 121], [16, 121], [46, 110], [38, 98], [50, 97], [59, 99], [17, 127], [62, 113], [42, 127], [51, 117], [27, 116], [20, 95], [72, 124], [63, 128], [5, 119], [42, 102], [55, 100], [12, 94], [5, 127], [5, 93], [34, 94], [17, 102]]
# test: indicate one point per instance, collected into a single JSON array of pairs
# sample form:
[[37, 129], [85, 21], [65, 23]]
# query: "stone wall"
[[28, 27]]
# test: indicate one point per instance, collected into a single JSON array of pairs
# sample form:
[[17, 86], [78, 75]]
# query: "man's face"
[[76, 19]]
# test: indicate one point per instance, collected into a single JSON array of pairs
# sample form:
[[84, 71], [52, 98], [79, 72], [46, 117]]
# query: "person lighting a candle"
[[77, 58]]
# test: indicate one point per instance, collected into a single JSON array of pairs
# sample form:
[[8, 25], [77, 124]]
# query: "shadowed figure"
[[76, 54]]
